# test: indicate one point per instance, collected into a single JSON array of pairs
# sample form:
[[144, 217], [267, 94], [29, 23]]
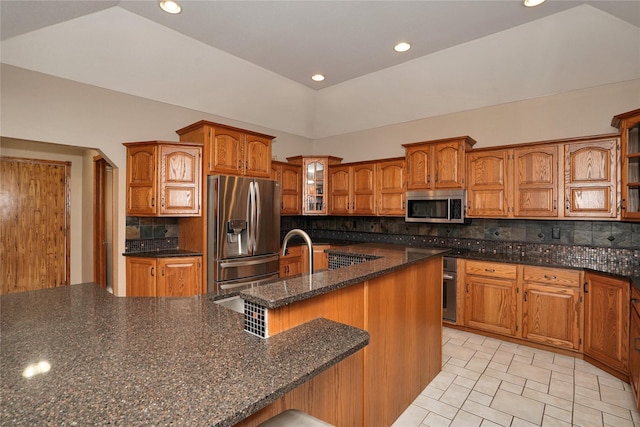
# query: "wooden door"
[[629, 126], [491, 304], [141, 180], [257, 156], [551, 315], [34, 224], [591, 179], [391, 187], [225, 152], [363, 195], [180, 180], [606, 320], [178, 277], [141, 276], [536, 181], [449, 165], [291, 197], [634, 346], [99, 222], [487, 189], [419, 167], [340, 190]]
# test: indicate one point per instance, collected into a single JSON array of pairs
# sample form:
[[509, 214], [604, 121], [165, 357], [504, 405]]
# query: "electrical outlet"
[[555, 232]]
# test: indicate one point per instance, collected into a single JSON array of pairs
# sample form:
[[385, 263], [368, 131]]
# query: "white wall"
[[567, 115]]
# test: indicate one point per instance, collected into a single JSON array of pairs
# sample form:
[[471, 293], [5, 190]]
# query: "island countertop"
[[150, 361]]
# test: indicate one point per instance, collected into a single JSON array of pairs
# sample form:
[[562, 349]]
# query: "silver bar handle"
[[447, 276], [256, 232], [240, 263]]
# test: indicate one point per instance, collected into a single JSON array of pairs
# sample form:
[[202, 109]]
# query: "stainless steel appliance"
[[440, 206], [243, 231], [449, 279]]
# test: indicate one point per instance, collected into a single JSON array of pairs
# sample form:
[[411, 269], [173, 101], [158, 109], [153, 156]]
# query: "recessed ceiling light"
[[402, 47], [170, 6], [317, 77], [532, 3]]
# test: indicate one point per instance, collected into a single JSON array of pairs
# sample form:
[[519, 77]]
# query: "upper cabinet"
[[629, 126], [352, 189], [290, 177], [576, 178], [314, 182], [437, 164], [164, 178], [229, 150], [391, 187]]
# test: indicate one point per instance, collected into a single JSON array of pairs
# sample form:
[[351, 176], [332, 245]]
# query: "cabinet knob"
[[550, 277], [153, 201], [490, 270], [152, 271]]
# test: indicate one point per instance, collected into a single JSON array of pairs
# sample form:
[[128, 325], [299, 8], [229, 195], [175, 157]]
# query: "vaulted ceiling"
[[252, 60]]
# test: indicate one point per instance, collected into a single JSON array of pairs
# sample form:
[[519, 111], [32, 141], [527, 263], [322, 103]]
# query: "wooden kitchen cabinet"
[[391, 187], [229, 150], [551, 306], [634, 345], [535, 191], [314, 182], [352, 189], [437, 164], [629, 126], [172, 276], [290, 177], [291, 263], [606, 321], [591, 179], [164, 178], [491, 302], [488, 191]]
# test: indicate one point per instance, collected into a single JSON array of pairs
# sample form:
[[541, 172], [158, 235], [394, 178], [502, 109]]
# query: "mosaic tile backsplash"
[[146, 234]]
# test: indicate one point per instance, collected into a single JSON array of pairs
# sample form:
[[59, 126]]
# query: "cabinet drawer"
[[555, 276], [491, 269], [293, 251]]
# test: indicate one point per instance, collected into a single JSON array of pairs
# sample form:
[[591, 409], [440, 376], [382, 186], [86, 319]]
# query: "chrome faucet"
[[307, 239]]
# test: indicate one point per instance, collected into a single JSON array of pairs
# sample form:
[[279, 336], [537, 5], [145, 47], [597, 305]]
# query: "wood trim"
[[589, 138], [183, 143], [465, 138], [201, 123], [99, 225]]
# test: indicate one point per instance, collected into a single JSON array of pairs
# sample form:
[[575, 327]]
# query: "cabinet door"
[[363, 195], [536, 181], [340, 190], [634, 350], [179, 277], [314, 180], [419, 167], [391, 187], [551, 315], [591, 179], [606, 320], [487, 189], [290, 185], [629, 126], [290, 266], [225, 152], [449, 165], [141, 277], [491, 305], [180, 180], [257, 156], [141, 180]]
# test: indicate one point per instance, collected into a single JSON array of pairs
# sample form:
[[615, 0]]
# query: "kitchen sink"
[[234, 303]]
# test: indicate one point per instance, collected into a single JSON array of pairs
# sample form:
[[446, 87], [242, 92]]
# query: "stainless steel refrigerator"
[[243, 231]]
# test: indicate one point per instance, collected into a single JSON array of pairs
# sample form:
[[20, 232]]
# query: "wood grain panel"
[[491, 269], [34, 224], [487, 190], [491, 304], [178, 277], [554, 276], [391, 187]]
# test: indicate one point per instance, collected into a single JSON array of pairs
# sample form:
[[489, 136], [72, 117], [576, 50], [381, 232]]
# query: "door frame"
[[99, 221]]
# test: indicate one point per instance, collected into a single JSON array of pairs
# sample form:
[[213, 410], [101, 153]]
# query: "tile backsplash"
[[145, 234]]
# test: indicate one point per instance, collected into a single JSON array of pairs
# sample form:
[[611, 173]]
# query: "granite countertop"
[[150, 361], [163, 253], [388, 258]]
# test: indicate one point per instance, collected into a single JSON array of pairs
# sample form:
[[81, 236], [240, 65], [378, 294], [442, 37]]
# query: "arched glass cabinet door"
[[314, 187]]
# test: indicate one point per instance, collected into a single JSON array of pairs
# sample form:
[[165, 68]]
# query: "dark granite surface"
[[149, 361], [163, 253], [301, 287]]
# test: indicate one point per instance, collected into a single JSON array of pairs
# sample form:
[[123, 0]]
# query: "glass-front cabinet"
[[314, 185], [629, 126]]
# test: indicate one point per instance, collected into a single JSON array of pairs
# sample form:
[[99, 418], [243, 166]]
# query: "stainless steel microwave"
[[441, 206]]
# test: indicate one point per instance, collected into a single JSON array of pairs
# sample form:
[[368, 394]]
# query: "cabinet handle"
[[239, 164], [622, 206], [568, 205], [163, 271], [524, 296], [436, 177], [550, 277], [490, 270], [153, 201], [634, 300], [467, 288], [246, 164], [555, 205], [152, 271], [635, 343], [584, 287]]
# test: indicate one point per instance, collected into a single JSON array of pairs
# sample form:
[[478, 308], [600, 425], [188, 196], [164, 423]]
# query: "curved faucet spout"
[[307, 239]]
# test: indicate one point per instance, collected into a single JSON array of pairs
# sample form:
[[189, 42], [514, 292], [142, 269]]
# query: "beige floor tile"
[[487, 385], [457, 351], [534, 385], [481, 398], [464, 382], [553, 367], [455, 395], [492, 342], [554, 422], [560, 414], [544, 357], [443, 380], [584, 416], [617, 397], [587, 392], [457, 362], [498, 366], [510, 387], [436, 406], [477, 364], [502, 357], [567, 378], [467, 373], [612, 420], [561, 389], [412, 416], [479, 347], [519, 422], [567, 405], [505, 376], [487, 423], [518, 406], [488, 412], [603, 406], [432, 392], [435, 420], [561, 359], [540, 375], [610, 381], [465, 419], [523, 359], [586, 380]]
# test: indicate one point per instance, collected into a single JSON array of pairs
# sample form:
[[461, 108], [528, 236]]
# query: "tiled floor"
[[488, 382]]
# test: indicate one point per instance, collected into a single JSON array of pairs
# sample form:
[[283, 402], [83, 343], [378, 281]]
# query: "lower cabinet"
[[173, 276], [291, 263], [606, 320], [634, 345]]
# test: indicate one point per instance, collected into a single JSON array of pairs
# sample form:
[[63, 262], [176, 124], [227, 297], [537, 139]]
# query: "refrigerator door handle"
[[240, 263], [256, 230], [250, 208]]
